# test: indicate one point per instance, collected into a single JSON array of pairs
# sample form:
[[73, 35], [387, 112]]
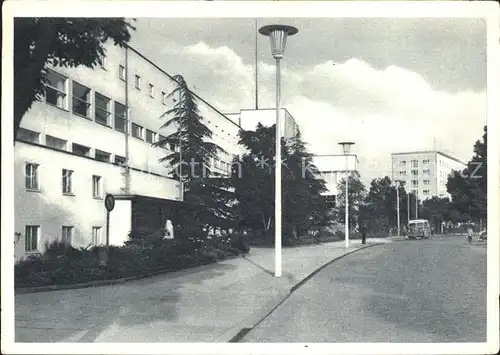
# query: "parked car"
[[483, 235]]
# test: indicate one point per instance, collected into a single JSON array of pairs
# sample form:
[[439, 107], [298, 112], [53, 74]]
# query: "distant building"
[[332, 169], [248, 119], [425, 173]]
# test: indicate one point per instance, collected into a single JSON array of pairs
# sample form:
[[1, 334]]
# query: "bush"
[[144, 253]]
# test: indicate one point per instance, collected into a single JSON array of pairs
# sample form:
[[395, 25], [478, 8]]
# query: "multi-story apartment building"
[[425, 173], [248, 119], [72, 149], [333, 169]]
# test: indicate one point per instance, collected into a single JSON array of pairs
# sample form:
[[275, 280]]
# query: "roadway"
[[409, 291]]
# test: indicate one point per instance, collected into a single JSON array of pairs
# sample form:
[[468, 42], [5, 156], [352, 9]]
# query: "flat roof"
[[431, 151], [172, 78]]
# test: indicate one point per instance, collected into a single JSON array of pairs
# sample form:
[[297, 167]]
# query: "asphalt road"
[[409, 291]]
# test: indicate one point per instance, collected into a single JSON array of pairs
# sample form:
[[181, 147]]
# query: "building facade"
[[92, 134], [333, 169], [425, 173], [248, 119]]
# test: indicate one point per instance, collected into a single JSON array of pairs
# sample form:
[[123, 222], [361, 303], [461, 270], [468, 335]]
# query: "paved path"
[[205, 304], [411, 291]]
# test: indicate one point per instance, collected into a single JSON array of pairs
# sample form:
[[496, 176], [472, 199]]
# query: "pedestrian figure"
[[362, 231], [469, 234], [404, 231]]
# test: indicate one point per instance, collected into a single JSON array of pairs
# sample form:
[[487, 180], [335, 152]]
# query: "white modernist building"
[[74, 145], [333, 169], [425, 173], [248, 119]]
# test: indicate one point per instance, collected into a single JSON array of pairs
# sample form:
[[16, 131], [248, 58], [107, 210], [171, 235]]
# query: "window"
[[81, 150], [31, 172], [414, 163], [426, 192], [102, 156], [120, 160], [150, 136], [28, 136], [136, 131], [427, 182], [96, 236], [31, 238], [67, 235], [104, 62], [102, 109], [55, 90], [402, 162], [425, 161], [55, 143], [414, 183], [96, 186], [138, 82], [161, 138], [427, 172], [163, 98], [414, 172], [121, 72], [151, 90], [67, 177], [120, 117], [81, 99], [172, 147], [402, 172]]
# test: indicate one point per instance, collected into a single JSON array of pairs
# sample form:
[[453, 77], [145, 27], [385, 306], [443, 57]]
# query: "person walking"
[[404, 231], [469, 234]]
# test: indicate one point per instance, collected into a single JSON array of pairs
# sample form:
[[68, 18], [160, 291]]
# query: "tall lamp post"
[[278, 35], [397, 205], [346, 147]]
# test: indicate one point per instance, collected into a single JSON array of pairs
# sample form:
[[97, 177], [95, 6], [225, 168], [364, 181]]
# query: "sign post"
[[109, 203]]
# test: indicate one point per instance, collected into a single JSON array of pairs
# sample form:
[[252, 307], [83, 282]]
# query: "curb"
[[97, 283], [244, 331]]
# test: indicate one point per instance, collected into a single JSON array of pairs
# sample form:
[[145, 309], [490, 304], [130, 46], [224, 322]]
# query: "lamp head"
[[278, 35]]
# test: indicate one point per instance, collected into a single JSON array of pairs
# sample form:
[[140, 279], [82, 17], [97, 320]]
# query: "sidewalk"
[[205, 304]]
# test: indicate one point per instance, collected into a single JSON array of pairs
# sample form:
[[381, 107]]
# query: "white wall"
[[50, 209], [120, 222]]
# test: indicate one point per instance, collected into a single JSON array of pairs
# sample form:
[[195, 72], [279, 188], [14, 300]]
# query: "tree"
[[304, 206], [468, 188], [254, 183], [356, 196], [67, 42], [202, 188], [436, 210], [302, 203]]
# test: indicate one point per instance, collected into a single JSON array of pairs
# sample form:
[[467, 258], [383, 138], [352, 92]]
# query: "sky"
[[398, 84]]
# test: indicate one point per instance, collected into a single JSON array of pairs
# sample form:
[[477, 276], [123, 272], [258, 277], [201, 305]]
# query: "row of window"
[[138, 84], [82, 150], [32, 237], [414, 163], [32, 181], [414, 172], [94, 105]]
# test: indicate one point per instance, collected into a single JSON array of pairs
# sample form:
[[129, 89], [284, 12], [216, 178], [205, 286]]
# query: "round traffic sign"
[[109, 202]]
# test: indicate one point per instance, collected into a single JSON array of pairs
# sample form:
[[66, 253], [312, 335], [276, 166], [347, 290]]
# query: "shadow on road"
[[84, 314]]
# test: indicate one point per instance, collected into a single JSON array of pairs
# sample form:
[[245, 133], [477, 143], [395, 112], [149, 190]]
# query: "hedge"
[[63, 265]]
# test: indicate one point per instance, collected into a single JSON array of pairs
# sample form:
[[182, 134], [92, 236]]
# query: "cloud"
[[382, 110]]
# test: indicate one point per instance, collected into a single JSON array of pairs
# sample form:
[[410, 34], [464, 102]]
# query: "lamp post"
[[278, 35], [397, 204], [346, 147]]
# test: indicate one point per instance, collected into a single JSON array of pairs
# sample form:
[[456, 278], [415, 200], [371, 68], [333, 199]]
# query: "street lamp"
[[346, 147], [278, 35]]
